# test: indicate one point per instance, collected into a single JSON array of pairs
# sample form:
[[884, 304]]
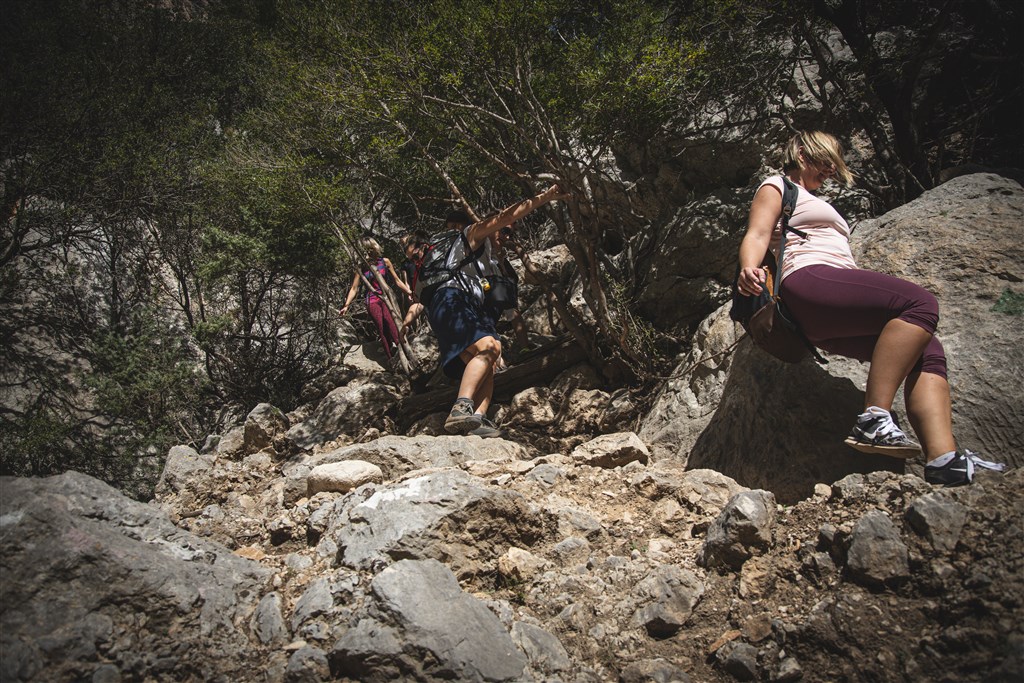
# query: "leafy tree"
[[105, 114]]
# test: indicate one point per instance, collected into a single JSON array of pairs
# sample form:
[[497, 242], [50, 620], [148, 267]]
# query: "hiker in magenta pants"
[[375, 305], [857, 313]]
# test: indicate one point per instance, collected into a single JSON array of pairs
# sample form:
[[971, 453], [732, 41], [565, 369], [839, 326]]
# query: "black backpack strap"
[[472, 256], [789, 196]]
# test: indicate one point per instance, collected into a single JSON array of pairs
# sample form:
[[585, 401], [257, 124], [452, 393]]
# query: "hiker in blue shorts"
[[468, 343]]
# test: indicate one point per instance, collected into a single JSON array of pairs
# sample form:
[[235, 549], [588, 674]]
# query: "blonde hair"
[[371, 247], [817, 148]]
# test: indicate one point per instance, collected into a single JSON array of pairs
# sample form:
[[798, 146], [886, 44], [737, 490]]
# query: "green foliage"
[[145, 393], [1010, 303], [147, 378], [162, 162]]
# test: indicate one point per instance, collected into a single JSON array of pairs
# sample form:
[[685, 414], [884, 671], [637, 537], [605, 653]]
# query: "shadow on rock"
[[781, 427]]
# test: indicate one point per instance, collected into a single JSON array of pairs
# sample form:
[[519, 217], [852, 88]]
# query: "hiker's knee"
[[487, 347], [923, 310]]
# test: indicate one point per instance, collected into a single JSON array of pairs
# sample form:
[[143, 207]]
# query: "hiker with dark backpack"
[[449, 286], [860, 314]]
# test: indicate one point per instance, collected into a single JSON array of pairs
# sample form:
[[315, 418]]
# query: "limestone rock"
[[342, 476], [263, 424], [308, 665], [543, 651], [740, 660], [267, 621], [938, 519], [706, 491], [744, 529], [181, 466], [653, 671], [531, 408], [671, 594], [518, 565], [698, 255], [232, 442], [398, 455], [584, 411], [121, 558], [433, 630], [346, 410], [612, 450], [877, 554], [409, 520]]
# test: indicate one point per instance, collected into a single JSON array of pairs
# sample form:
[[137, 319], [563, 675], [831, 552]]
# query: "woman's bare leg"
[[898, 349], [929, 408]]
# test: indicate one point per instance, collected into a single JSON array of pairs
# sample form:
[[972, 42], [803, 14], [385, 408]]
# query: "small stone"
[[789, 670], [877, 554], [741, 662], [726, 637], [938, 519], [757, 627]]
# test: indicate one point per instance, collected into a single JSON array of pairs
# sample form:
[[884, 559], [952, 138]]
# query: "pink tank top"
[[828, 235]]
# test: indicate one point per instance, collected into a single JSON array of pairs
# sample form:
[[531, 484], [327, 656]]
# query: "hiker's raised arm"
[[764, 215], [351, 293], [481, 230]]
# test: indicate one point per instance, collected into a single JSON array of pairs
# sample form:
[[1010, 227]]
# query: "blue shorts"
[[458, 321]]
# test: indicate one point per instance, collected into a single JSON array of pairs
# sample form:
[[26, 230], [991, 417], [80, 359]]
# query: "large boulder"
[[420, 625], [397, 455], [780, 427], [346, 410], [447, 515], [94, 580], [696, 257], [182, 465]]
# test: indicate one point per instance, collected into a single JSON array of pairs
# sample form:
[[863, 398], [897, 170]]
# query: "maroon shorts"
[[843, 310]]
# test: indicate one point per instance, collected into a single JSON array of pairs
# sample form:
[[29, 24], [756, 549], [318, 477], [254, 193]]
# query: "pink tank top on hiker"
[[375, 290], [828, 235]]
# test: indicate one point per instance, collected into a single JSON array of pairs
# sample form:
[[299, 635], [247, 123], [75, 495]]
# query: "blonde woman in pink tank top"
[[872, 317]]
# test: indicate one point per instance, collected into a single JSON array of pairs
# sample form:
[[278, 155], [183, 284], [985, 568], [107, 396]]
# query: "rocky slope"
[[320, 546]]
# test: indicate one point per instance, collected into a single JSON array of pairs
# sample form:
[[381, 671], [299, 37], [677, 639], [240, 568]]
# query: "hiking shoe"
[[462, 419], [957, 469], [486, 430], [876, 431]]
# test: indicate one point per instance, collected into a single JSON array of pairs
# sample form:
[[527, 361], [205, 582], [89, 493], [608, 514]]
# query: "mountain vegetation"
[[180, 179]]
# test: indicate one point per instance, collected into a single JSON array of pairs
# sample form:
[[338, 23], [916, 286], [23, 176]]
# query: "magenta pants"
[[843, 310], [385, 323]]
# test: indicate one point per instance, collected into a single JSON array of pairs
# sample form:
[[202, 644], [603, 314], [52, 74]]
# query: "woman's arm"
[[764, 215], [351, 293], [399, 282], [481, 230]]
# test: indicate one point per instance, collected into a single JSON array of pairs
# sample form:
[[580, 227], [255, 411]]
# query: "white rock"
[[341, 477]]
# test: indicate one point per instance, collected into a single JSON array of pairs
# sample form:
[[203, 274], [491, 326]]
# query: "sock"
[[875, 410], [942, 460]]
